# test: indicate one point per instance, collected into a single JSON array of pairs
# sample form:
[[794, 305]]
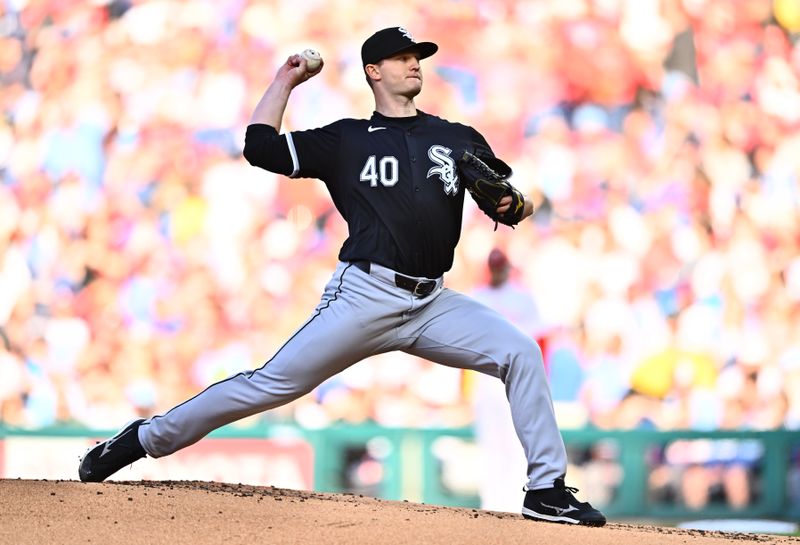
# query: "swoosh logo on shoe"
[[373, 129], [106, 447], [560, 510]]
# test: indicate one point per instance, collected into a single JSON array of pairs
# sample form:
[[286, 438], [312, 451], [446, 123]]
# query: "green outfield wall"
[[643, 474]]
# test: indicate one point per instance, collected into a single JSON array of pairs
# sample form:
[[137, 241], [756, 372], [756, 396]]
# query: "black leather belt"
[[420, 288]]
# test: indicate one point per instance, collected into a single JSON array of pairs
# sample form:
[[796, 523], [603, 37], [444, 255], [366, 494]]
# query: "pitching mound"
[[149, 512]]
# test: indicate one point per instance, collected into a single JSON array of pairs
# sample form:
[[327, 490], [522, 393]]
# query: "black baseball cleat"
[[558, 504], [106, 458]]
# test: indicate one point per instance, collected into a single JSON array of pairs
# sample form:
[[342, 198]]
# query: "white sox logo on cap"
[[391, 41]]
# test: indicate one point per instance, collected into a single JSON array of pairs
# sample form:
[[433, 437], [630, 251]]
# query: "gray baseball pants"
[[362, 314]]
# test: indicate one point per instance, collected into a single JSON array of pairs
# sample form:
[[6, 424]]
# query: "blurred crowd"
[[141, 258]]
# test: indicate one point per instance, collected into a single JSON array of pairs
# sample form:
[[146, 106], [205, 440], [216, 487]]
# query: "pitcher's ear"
[[372, 72]]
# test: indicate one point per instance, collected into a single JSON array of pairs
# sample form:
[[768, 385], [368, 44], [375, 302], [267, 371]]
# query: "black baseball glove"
[[486, 179]]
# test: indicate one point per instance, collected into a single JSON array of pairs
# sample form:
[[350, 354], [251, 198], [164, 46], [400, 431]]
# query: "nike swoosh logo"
[[373, 129], [559, 510], [106, 447]]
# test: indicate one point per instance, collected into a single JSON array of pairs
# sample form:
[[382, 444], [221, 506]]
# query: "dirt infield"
[[150, 512]]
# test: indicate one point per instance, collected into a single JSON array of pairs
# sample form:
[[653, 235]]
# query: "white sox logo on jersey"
[[445, 168]]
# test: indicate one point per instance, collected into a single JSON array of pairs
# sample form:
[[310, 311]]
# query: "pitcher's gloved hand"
[[486, 179]]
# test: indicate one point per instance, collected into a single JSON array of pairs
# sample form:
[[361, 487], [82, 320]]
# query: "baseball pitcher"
[[398, 178]]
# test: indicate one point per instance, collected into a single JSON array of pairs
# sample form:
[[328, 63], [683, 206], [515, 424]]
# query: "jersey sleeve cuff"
[[256, 128], [262, 128]]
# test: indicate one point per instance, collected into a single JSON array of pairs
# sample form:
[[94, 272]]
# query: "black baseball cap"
[[391, 41]]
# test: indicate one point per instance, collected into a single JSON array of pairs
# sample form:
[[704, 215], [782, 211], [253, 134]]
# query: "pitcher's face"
[[402, 74]]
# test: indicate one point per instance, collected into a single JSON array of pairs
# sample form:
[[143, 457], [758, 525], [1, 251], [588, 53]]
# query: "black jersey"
[[393, 180]]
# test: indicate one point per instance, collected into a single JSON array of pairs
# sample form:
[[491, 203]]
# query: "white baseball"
[[313, 59]]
